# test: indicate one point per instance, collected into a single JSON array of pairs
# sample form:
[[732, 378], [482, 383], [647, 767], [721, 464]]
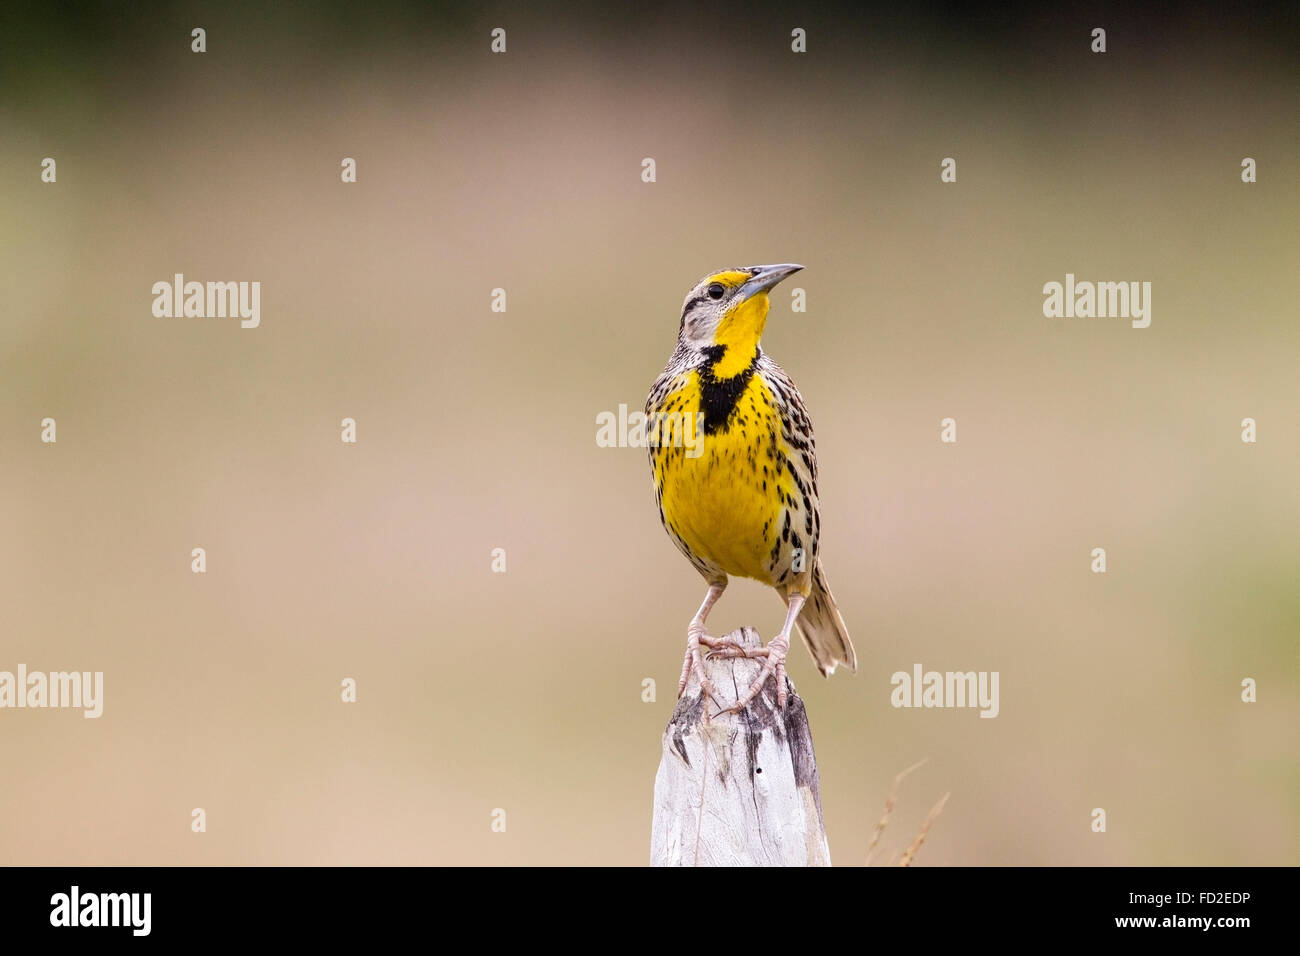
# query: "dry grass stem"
[[925, 828], [889, 808]]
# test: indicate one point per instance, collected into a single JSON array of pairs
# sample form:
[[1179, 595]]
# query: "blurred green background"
[[477, 430]]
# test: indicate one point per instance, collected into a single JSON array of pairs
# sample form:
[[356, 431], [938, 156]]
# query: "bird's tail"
[[822, 628]]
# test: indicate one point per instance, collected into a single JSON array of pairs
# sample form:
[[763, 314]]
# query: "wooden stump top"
[[739, 789]]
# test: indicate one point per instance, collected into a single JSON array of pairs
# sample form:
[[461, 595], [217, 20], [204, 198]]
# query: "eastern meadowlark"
[[742, 499]]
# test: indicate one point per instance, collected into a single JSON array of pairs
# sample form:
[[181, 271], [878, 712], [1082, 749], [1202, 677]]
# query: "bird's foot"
[[722, 647], [696, 637], [774, 655]]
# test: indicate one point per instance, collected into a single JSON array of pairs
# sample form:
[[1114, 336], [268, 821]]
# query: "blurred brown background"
[[477, 430]]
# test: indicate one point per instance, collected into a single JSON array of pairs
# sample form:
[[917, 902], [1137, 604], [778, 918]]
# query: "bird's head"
[[724, 315]]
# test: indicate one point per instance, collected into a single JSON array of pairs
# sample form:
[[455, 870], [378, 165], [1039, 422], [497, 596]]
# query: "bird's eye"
[[716, 291]]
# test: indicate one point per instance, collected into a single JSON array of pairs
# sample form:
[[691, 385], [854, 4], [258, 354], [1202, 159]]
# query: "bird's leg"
[[695, 636], [775, 654]]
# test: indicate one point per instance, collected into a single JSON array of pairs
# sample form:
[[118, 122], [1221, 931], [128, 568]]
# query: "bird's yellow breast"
[[723, 497]]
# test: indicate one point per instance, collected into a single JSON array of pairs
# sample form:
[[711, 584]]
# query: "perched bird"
[[735, 474]]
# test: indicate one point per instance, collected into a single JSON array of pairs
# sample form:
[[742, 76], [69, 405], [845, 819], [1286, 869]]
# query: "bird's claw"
[[774, 666], [725, 648]]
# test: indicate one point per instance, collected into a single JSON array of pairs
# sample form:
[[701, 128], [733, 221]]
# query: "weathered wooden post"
[[741, 789]]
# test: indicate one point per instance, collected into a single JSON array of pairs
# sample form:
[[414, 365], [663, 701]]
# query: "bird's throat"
[[737, 335]]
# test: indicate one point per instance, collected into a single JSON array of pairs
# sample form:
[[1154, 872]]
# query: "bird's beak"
[[765, 279]]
